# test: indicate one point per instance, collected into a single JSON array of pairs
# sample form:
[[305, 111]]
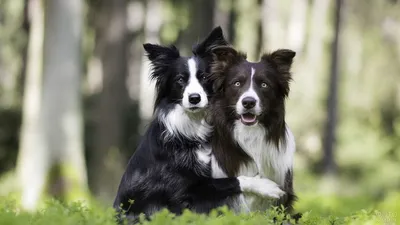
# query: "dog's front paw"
[[260, 186], [273, 191]]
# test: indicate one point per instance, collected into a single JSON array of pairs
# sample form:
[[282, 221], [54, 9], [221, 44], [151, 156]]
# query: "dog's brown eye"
[[180, 80], [237, 83], [263, 85]]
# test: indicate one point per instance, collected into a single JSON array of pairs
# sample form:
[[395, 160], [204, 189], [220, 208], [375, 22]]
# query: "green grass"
[[316, 210]]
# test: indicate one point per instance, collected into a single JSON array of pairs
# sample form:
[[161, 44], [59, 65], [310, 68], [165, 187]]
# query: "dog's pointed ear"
[[282, 58], [214, 39], [158, 52], [161, 57]]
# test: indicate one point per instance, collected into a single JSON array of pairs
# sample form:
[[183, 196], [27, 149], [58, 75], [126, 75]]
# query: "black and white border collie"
[[171, 167], [248, 113]]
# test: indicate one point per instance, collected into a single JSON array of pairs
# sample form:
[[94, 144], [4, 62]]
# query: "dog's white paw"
[[260, 186]]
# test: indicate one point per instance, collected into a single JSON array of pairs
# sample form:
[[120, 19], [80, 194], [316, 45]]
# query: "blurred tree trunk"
[[329, 165], [247, 25], [312, 71], [296, 33], [201, 21], [32, 161], [222, 16], [106, 163], [316, 42], [274, 30], [135, 21], [318, 27], [24, 52], [152, 25], [61, 106]]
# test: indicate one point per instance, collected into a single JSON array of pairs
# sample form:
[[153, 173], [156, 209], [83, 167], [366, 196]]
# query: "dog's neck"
[[227, 153], [179, 122], [275, 127]]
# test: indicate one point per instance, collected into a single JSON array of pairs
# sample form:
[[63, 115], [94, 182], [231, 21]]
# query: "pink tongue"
[[248, 118]]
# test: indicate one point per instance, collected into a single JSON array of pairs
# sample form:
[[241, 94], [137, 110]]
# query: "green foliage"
[[58, 213]]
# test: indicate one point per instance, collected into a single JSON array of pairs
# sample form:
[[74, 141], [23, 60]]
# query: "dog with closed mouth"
[[171, 167], [251, 136]]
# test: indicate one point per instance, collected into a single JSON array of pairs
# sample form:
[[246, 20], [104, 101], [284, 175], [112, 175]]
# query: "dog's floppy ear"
[[214, 39], [282, 58], [223, 58]]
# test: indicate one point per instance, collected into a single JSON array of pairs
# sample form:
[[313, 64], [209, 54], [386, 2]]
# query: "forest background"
[[75, 95]]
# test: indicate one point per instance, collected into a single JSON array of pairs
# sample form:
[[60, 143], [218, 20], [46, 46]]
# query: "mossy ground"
[[318, 210]]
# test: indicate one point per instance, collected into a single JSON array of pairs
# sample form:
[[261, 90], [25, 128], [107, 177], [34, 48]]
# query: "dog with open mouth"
[[171, 168], [251, 136]]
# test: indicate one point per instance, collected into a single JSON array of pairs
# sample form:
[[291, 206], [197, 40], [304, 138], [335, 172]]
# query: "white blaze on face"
[[194, 87], [249, 93]]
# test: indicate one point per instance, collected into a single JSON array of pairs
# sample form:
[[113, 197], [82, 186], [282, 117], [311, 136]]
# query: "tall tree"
[[61, 107], [222, 16], [310, 76], [31, 165], [24, 52], [152, 25], [200, 17], [274, 30], [247, 24], [52, 144], [329, 165], [111, 40], [319, 12], [315, 45], [296, 33]]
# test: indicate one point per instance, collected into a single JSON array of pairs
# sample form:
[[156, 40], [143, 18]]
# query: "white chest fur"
[[177, 121], [268, 161]]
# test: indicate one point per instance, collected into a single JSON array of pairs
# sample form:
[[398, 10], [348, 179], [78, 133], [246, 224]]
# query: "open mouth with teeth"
[[248, 119]]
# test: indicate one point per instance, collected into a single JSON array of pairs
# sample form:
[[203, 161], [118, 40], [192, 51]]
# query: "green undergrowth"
[[316, 211]]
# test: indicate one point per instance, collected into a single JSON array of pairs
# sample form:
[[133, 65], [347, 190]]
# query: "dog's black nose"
[[248, 102], [194, 98]]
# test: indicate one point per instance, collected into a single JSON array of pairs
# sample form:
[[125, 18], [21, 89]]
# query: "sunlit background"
[[75, 94]]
